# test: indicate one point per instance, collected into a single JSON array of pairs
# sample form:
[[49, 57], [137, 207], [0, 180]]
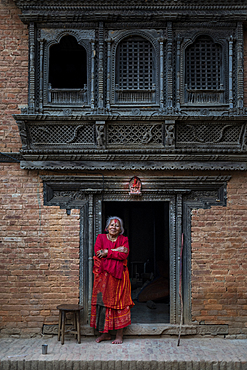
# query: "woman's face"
[[114, 228]]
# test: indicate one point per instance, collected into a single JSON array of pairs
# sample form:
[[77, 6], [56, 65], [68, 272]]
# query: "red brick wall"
[[13, 73], [219, 260], [39, 246], [39, 254]]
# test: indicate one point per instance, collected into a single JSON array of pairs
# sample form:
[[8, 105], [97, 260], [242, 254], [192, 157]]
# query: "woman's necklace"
[[112, 239]]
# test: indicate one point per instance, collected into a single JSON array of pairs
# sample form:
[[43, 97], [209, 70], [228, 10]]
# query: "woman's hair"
[[114, 218]]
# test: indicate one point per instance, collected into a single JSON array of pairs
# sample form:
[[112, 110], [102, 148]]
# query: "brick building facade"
[[55, 195]]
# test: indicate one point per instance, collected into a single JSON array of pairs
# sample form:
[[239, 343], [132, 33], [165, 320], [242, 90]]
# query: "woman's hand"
[[121, 249], [102, 253]]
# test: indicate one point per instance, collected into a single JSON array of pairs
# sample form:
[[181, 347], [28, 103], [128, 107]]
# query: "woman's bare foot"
[[104, 336], [119, 337]]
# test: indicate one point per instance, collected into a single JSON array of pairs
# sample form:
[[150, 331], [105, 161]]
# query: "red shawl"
[[115, 262]]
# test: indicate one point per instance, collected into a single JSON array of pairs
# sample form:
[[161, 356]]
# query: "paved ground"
[[194, 354]]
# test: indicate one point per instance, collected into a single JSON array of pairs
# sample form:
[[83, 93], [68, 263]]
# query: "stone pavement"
[[134, 353]]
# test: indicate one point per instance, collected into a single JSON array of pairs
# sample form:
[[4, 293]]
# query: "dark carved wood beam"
[[92, 165], [26, 4], [110, 10]]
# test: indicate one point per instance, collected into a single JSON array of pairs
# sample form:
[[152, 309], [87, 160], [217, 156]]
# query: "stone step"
[[133, 354]]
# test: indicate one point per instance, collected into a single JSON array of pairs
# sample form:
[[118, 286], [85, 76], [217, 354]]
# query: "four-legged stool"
[[63, 309]]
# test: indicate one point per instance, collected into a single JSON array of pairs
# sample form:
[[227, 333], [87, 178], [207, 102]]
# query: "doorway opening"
[[147, 226]]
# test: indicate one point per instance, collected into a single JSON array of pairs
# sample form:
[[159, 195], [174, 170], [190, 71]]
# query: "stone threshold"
[[157, 329]]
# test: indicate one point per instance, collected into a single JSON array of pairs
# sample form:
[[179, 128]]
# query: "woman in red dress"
[[111, 298]]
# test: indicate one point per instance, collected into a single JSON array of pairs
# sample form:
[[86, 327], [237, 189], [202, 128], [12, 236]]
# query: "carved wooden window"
[[67, 72], [135, 79], [203, 72]]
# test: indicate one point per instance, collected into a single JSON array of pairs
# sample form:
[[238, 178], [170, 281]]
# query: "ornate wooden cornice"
[[161, 165], [140, 116], [25, 4], [79, 10]]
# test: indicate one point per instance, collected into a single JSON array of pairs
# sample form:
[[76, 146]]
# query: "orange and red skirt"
[[104, 319], [111, 300]]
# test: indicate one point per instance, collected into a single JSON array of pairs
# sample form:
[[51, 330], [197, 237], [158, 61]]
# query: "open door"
[[147, 227]]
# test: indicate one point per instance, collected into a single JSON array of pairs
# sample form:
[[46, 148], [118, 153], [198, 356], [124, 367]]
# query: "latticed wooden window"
[[135, 71], [203, 72], [203, 64]]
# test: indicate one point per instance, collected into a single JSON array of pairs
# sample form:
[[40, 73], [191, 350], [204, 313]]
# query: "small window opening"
[[68, 64]]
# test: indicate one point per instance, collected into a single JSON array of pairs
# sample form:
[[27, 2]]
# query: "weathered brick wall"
[[219, 260], [13, 73], [39, 254], [39, 246]]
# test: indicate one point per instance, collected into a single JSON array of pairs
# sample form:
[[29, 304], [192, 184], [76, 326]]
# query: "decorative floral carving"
[[67, 112], [53, 33]]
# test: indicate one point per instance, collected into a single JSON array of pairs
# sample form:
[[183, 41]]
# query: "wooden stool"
[[63, 309]]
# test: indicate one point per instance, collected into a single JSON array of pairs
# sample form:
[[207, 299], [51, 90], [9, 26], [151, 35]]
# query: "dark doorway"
[[147, 227]]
